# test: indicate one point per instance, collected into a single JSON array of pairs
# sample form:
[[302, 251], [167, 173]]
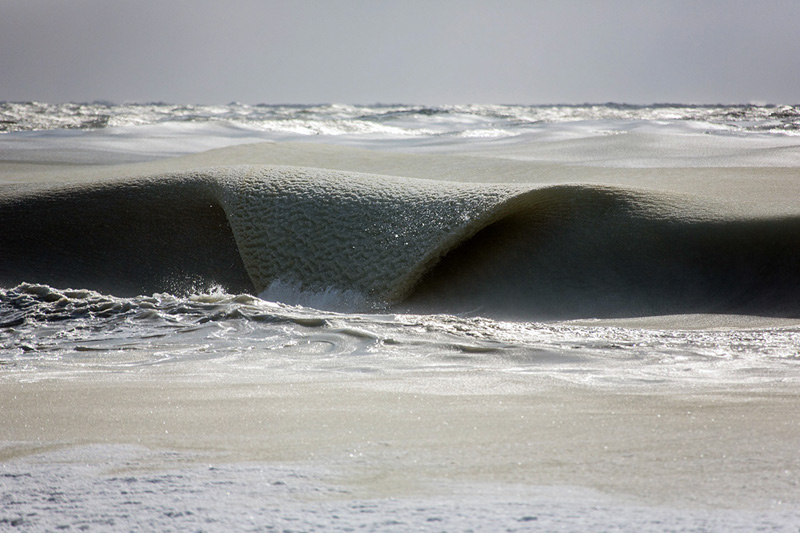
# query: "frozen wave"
[[526, 252]]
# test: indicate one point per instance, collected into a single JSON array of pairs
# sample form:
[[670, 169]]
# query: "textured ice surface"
[[122, 488]]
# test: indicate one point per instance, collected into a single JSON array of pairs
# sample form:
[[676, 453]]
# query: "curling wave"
[[499, 250]]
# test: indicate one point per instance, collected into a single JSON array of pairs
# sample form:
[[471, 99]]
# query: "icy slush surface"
[[124, 488]]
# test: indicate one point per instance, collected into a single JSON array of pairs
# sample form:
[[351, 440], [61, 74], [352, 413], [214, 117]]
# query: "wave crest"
[[319, 237]]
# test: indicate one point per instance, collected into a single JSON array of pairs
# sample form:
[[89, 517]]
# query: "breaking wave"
[[347, 240]]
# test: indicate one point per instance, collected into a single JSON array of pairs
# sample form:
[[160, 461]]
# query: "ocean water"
[[421, 270], [444, 251]]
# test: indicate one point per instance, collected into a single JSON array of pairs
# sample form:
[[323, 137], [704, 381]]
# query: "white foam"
[[328, 299]]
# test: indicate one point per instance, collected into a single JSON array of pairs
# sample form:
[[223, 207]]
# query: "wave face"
[[506, 251], [122, 238]]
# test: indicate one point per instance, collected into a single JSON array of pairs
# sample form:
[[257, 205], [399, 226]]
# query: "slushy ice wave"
[[520, 252]]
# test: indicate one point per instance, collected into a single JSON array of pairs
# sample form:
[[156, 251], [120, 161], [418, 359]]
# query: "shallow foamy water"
[[49, 333]]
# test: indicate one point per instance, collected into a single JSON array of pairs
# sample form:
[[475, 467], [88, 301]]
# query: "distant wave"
[[507, 251], [394, 120]]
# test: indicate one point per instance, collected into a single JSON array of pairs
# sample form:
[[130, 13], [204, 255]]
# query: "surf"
[[506, 251]]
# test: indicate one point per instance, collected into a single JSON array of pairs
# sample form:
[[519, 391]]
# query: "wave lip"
[[566, 251]]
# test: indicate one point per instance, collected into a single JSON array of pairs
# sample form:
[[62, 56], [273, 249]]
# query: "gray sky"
[[404, 51]]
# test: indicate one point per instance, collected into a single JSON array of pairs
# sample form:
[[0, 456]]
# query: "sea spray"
[[329, 299]]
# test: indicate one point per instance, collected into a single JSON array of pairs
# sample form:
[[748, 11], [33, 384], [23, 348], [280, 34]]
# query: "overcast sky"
[[403, 51]]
